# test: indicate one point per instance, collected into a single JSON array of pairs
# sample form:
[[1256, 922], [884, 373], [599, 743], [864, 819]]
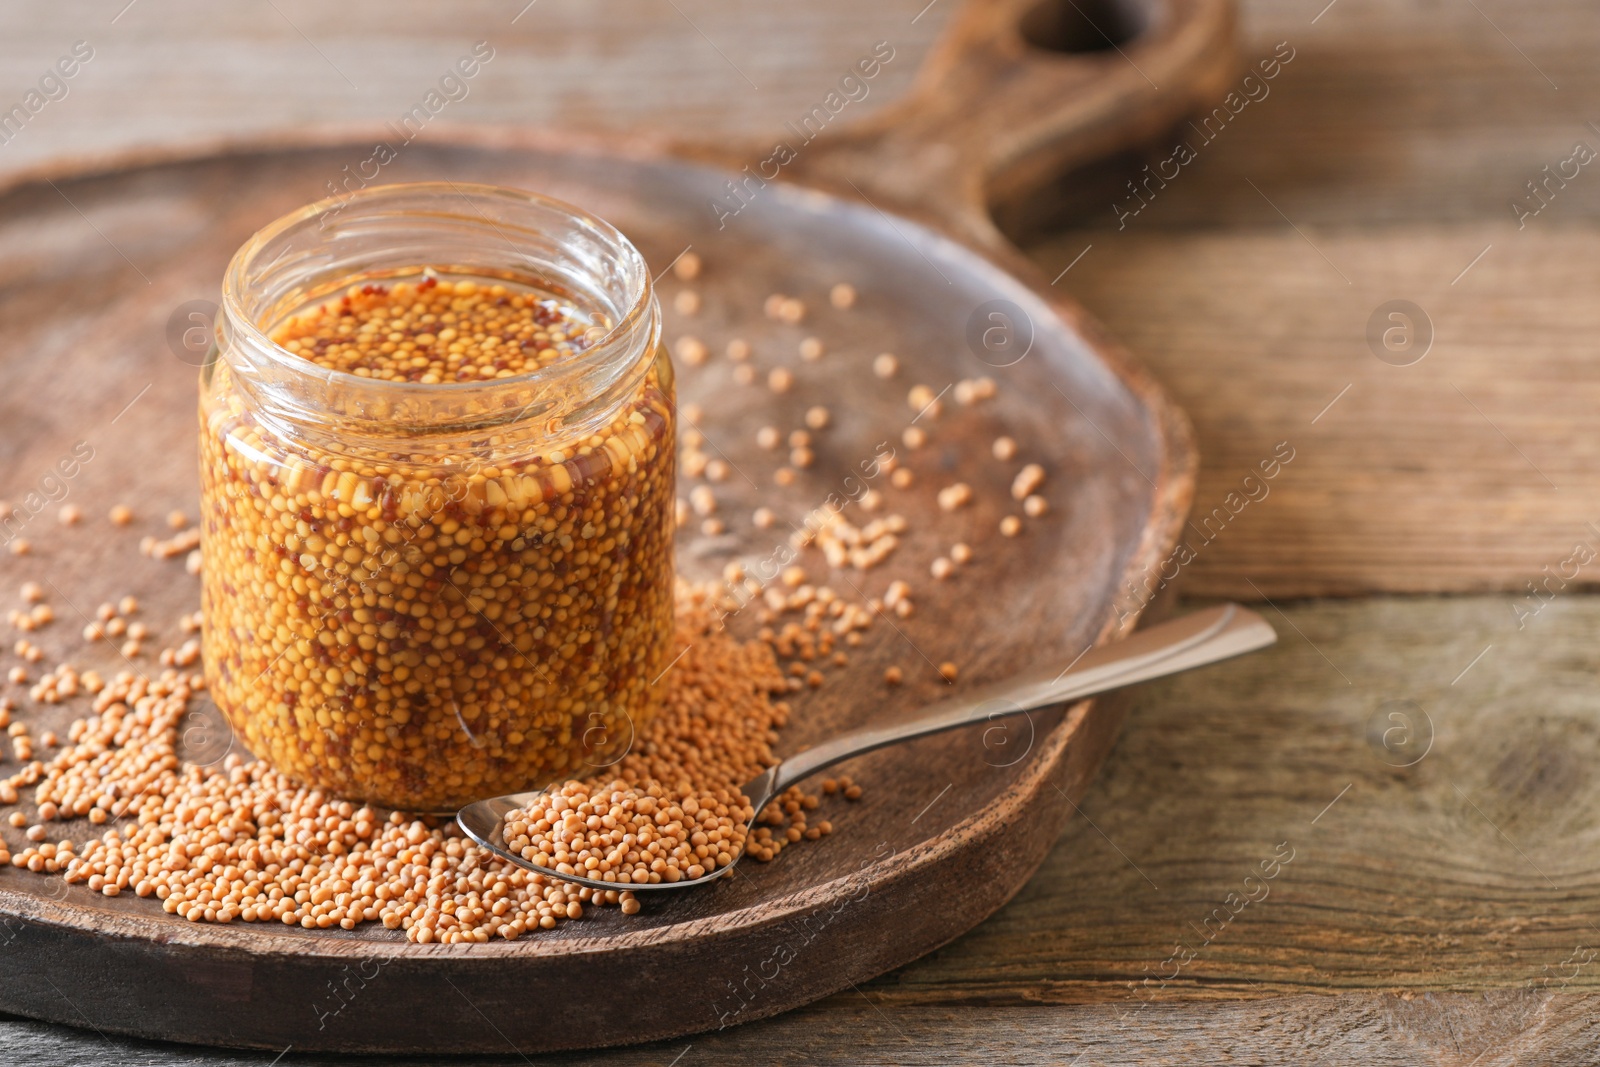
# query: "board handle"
[[1019, 92]]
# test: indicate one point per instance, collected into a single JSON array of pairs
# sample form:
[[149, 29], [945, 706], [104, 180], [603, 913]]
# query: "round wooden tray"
[[94, 260]]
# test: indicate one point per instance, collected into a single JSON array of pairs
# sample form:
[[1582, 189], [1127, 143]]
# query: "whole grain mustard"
[[421, 632]]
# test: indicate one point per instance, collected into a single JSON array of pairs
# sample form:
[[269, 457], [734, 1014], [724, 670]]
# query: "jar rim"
[[632, 331]]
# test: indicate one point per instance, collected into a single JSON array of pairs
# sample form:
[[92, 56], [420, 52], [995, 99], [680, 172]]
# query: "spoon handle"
[[1192, 641]]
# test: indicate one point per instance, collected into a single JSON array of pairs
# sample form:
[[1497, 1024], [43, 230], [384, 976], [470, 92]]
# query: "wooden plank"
[[1467, 870], [182, 71], [1381, 166], [1470, 470], [1370, 1029]]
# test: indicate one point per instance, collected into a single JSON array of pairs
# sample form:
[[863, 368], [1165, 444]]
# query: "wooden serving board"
[[95, 261]]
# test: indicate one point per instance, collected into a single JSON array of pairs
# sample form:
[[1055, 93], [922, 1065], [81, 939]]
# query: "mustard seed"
[[1010, 526], [20, 546], [1035, 506], [1027, 481], [687, 302], [1004, 448], [687, 268], [691, 351], [70, 515], [942, 568], [780, 379], [947, 671], [885, 366], [914, 437], [893, 676], [842, 296], [32, 592], [811, 349], [738, 350], [703, 500], [177, 520], [744, 374], [961, 553], [817, 417], [121, 515], [901, 478], [768, 437], [955, 496]]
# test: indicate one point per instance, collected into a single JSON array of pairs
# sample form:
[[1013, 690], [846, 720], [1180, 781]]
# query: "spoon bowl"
[[1195, 640]]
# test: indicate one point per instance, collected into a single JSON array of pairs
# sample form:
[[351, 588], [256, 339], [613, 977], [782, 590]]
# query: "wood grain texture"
[[1363, 1030], [1381, 165], [184, 71]]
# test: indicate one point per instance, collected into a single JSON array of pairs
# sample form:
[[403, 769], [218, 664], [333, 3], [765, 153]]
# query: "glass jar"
[[419, 594]]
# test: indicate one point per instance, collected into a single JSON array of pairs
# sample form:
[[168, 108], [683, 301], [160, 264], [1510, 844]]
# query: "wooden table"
[[1415, 771]]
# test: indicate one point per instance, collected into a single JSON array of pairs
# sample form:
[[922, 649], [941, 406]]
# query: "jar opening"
[[495, 234]]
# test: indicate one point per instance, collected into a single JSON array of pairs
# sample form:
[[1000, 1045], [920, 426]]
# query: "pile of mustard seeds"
[[438, 330], [239, 842]]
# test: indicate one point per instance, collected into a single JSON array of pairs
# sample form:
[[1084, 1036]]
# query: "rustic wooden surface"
[[1383, 162], [120, 390], [1395, 141]]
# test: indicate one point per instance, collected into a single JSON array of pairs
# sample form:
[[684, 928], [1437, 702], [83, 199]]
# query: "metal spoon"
[[1192, 641]]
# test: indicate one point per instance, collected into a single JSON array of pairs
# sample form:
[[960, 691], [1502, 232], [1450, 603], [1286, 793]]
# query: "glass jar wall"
[[437, 463]]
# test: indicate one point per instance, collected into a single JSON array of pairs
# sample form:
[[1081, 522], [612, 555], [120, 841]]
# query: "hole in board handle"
[[1078, 26]]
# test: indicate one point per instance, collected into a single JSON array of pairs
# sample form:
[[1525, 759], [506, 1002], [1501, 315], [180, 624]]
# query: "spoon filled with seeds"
[[629, 837]]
